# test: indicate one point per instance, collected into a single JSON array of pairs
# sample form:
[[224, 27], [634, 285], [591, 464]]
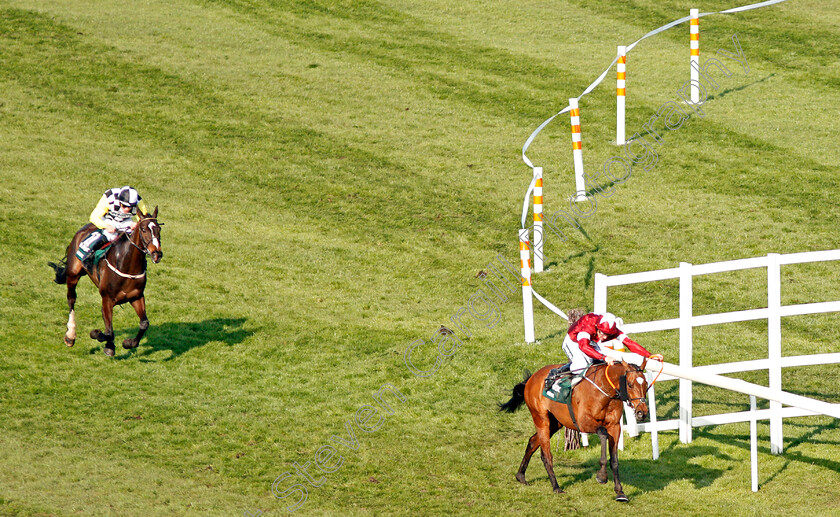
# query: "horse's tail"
[[518, 396], [60, 270]]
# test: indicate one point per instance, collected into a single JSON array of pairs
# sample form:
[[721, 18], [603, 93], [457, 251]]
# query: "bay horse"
[[597, 402], [120, 276]]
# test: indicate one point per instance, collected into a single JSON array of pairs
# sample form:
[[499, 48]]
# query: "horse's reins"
[[599, 388], [621, 393], [144, 250]]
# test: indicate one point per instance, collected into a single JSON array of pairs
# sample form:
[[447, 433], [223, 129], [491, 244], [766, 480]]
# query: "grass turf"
[[333, 175]]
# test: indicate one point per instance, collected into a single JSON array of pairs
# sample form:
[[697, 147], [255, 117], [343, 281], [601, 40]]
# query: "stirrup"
[[87, 261]]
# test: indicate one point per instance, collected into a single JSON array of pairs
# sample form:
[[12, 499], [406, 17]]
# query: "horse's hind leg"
[[544, 437], [72, 280], [533, 444], [70, 335], [140, 308]]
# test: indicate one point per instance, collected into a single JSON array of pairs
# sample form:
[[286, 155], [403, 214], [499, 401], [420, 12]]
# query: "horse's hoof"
[[95, 333], [602, 480], [559, 490], [128, 344], [69, 342], [621, 498], [109, 352], [521, 479]]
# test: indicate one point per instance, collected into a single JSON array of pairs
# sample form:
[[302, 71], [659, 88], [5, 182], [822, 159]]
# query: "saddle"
[[92, 261], [558, 385], [560, 382], [556, 373]]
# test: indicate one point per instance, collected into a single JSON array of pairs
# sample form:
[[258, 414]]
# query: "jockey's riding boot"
[[88, 246], [566, 367], [87, 262]]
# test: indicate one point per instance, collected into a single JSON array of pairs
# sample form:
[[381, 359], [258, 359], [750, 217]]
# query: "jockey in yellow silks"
[[115, 213]]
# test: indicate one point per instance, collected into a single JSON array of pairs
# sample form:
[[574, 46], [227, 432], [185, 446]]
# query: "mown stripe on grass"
[[97, 83], [449, 67], [790, 41]]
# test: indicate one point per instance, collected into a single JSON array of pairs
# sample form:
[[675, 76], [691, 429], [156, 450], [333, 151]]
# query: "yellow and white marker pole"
[[539, 236], [694, 62], [527, 299], [577, 152], [621, 92]]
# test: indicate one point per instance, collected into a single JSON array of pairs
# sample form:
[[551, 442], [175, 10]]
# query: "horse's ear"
[[644, 363], [154, 215]]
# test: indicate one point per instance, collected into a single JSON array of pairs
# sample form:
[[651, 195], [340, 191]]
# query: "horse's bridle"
[[621, 390], [145, 243]]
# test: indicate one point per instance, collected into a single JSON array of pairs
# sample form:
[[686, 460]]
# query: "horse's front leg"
[[107, 336], [602, 473], [140, 308], [614, 433]]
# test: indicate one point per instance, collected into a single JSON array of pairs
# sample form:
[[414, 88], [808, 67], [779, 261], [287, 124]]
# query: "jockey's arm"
[[97, 217], [633, 346], [586, 347]]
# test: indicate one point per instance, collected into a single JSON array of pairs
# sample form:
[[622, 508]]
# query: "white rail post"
[[654, 434], [600, 303], [686, 356], [539, 235], [620, 93], [577, 150], [527, 298], [694, 60], [600, 293], [753, 445], [774, 352]]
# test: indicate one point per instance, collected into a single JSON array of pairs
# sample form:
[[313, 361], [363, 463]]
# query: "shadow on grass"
[[683, 462], [738, 88], [180, 337], [790, 453], [644, 474]]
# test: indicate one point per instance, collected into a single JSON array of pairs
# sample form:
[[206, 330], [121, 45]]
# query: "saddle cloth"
[[98, 254], [559, 385]]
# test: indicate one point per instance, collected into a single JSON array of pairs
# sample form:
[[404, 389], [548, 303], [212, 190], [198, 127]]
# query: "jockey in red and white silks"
[[586, 341]]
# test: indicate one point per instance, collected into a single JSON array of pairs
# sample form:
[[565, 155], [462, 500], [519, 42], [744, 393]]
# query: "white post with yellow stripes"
[[539, 236], [694, 63], [527, 299], [577, 152], [621, 92]]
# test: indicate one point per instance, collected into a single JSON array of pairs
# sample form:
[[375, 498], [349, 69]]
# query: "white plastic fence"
[[580, 184], [774, 362]]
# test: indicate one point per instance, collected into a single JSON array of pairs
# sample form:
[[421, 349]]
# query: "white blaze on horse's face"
[[640, 380], [155, 241]]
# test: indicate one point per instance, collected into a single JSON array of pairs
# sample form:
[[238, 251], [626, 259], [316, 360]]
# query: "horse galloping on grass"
[[596, 407], [120, 276]]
